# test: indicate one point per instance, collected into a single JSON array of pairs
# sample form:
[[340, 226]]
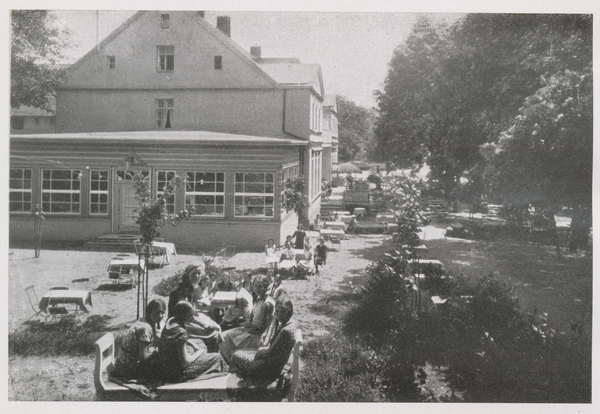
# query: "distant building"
[[31, 120], [330, 135], [168, 94]]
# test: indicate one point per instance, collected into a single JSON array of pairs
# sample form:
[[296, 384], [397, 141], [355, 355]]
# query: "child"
[[321, 252]]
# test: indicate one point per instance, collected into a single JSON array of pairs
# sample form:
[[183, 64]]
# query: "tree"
[[293, 197], [35, 46], [356, 129]]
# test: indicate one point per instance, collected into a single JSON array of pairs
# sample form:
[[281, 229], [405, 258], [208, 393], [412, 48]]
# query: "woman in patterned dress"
[[139, 345], [266, 363]]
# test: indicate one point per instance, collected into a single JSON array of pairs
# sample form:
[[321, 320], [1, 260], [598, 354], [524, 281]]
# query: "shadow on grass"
[[114, 287]]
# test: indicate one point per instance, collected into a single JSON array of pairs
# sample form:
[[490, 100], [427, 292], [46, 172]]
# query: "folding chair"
[[30, 290], [225, 254], [81, 280]]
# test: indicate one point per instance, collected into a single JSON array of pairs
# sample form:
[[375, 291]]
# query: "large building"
[[169, 94]]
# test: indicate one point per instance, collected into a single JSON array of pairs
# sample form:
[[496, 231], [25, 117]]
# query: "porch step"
[[118, 242]]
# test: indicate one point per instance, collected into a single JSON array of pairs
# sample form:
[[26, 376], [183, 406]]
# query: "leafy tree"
[[355, 130], [293, 197], [35, 46]]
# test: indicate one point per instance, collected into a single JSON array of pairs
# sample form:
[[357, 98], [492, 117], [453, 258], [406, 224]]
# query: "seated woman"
[[275, 287], [202, 295], [266, 363], [249, 335], [225, 284], [177, 363], [287, 250], [270, 250], [139, 345], [201, 328], [235, 314]]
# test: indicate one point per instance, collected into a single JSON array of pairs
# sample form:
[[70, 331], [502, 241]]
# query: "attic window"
[[164, 21], [218, 62], [166, 58], [112, 62]]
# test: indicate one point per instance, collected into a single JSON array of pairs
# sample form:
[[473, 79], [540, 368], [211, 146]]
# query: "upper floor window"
[[166, 58], [164, 113], [111, 61], [61, 191], [218, 62], [20, 190], [164, 21]]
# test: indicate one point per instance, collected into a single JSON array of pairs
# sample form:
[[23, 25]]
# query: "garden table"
[[333, 233], [335, 225], [80, 298], [164, 249], [387, 218], [222, 299], [359, 211], [347, 219]]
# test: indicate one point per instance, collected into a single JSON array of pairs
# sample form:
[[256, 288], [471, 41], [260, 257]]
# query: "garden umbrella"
[[348, 168]]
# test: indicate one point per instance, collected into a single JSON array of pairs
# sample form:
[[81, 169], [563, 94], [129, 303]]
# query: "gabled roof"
[[330, 101], [295, 74], [226, 40]]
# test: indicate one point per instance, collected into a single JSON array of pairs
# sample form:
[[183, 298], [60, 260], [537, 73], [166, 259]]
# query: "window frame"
[[218, 61], [21, 190], [165, 21], [99, 192], [160, 186], [162, 65], [287, 173], [192, 178], [56, 191], [253, 195], [111, 62], [168, 111]]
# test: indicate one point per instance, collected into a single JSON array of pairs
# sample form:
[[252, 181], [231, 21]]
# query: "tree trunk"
[[580, 229]]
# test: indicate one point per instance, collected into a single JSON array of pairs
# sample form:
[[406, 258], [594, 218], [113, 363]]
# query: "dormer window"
[[112, 62], [164, 21], [166, 58]]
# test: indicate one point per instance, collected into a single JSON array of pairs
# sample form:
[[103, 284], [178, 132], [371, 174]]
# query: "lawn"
[[560, 287]]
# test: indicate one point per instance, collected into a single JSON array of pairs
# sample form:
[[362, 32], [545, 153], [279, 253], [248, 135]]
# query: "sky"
[[352, 48]]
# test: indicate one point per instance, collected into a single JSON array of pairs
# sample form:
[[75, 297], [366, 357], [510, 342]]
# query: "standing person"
[[138, 348], [181, 359], [249, 335], [267, 362], [321, 252], [270, 250], [299, 236]]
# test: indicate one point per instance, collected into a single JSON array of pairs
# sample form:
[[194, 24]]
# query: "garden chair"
[[30, 290], [224, 255]]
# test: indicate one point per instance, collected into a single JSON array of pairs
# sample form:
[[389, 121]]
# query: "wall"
[[251, 112], [44, 126], [195, 42], [297, 112]]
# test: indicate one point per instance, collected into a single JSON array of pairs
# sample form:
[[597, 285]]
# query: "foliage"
[[338, 368], [152, 213], [293, 197], [62, 338], [451, 91], [403, 196], [355, 130], [35, 46]]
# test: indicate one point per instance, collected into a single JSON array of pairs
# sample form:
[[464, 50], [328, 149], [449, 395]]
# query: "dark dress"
[[299, 237], [269, 365], [181, 292], [172, 371]]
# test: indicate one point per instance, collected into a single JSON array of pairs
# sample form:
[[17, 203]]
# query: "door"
[[126, 206]]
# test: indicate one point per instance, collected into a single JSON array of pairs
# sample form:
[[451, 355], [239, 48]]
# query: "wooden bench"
[[223, 388]]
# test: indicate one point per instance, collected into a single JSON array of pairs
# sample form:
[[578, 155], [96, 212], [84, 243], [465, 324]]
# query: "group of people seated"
[[307, 262], [254, 338]]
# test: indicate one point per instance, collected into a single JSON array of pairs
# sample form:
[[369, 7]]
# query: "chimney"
[[201, 14], [224, 25], [255, 51]]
